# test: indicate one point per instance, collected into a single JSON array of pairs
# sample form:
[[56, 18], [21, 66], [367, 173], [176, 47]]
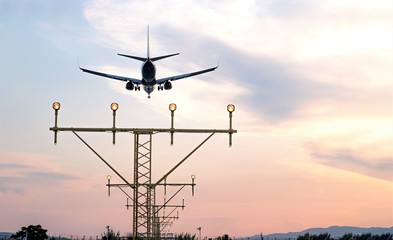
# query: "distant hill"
[[334, 231], [5, 235]]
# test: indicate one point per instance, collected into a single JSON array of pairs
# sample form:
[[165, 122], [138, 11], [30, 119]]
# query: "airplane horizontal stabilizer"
[[133, 57], [162, 57]]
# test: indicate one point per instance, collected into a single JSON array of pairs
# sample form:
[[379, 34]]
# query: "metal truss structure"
[[149, 218]]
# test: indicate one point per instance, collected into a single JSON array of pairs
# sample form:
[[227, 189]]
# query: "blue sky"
[[311, 81]]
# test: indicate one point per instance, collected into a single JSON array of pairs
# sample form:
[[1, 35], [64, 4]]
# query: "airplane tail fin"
[[148, 52], [148, 48]]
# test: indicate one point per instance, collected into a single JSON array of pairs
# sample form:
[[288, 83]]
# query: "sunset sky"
[[312, 85]]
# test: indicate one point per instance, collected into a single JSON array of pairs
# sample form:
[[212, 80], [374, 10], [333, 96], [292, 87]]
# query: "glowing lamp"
[[114, 106], [231, 108], [56, 105], [172, 107]]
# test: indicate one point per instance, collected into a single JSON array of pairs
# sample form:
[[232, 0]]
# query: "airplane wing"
[[174, 78], [125, 79]]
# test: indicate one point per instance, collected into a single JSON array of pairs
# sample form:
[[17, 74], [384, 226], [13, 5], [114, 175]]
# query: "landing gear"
[[160, 88]]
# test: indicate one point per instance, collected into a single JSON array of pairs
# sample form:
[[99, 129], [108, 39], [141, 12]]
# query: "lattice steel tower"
[[147, 223]]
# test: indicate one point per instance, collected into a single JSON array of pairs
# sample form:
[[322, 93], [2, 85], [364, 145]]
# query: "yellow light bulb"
[[56, 105], [231, 108], [114, 106], [172, 107]]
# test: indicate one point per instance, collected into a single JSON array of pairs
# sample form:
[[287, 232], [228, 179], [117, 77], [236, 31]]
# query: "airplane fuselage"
[[149, 72], [148, 76]]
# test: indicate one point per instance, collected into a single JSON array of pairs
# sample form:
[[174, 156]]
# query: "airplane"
[[148, 80]]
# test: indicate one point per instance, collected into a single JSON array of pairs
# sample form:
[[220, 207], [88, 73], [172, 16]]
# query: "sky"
[[312, 86]]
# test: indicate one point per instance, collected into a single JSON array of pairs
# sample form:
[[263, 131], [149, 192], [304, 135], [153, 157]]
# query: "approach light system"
[[145, 169], [114, 106], [56, 106]]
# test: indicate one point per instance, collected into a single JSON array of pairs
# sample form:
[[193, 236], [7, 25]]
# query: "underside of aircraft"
[[148, 80]]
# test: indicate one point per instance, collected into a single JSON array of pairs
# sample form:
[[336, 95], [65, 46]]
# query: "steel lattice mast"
[[147, 224]]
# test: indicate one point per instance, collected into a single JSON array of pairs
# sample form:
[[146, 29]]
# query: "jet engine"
[[167, 85], [130, 86]]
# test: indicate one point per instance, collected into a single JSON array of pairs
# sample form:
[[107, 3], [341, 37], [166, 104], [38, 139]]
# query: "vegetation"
[[36, 232], [224, 237], [32, 232], [185, 236], [348, 236], [110, 234], [307, 236]]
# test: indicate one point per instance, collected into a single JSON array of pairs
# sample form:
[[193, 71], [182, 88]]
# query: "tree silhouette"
[[224, 237], [185, 236], [347, 236], [110, 234], [32, 232], [304, 237], [307, 236]]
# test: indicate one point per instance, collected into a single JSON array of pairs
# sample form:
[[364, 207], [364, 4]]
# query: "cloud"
[[279, 68], [321, 67], [270, 87], [373, 158], [276, 92], [21, 172], [290, 30]]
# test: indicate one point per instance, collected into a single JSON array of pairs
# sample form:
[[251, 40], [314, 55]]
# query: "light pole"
[[193, 183], [114, 107], [231, 109], [56, 107], [172, 108], [109, 185]]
